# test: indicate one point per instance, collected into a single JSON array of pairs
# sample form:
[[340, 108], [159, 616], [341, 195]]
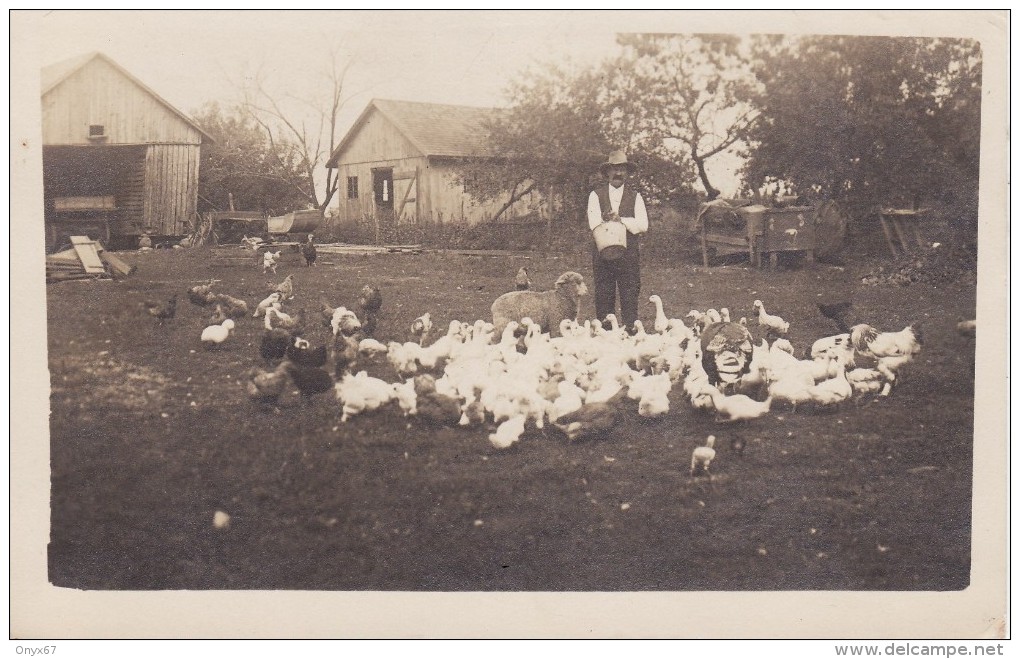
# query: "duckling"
[[702, 457]]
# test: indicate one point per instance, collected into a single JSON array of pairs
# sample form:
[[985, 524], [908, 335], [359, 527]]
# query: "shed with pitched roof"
[[118, 159], [398, 164]]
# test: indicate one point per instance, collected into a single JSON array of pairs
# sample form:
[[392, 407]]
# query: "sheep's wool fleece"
[[545, 308]]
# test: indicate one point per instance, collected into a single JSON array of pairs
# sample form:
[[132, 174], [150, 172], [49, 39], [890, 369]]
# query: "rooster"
[[162, 312], [308, 251], [869, 342], [893, 350]]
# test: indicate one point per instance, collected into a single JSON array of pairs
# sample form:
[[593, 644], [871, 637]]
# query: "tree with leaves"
[[680, 97], [550, 138], [553, 137], [244, 167], [869, 121]]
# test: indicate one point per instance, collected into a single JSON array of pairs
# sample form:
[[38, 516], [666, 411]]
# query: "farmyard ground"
[[151, 435]]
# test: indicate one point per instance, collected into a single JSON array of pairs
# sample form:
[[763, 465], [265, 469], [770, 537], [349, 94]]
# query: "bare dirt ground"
[[151, 435]]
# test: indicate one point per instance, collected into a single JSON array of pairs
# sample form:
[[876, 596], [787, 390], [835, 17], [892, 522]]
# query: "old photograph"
[[442, 309]]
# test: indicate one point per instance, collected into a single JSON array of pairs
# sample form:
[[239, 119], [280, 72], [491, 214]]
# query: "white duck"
[[737, 407], [661, 322]]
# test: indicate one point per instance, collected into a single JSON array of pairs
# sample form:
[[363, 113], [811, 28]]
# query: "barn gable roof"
[[435, 129], [54, 74]]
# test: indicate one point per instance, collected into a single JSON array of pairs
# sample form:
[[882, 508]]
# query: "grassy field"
[[151, 434]]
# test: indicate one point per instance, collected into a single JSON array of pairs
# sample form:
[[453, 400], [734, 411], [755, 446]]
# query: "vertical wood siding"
[[171, 187], [100, 94]]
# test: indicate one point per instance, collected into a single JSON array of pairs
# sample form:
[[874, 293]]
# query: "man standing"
[[618, 202]]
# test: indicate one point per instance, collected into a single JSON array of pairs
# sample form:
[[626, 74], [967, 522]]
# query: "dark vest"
[[626, 203]]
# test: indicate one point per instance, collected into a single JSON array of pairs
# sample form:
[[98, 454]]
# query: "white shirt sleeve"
[[594, 210], [637, 224]]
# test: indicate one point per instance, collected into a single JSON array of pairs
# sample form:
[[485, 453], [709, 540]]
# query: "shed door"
[[382, 185]]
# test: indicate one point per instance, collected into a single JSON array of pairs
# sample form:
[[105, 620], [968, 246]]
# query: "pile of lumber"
[[85, 260]]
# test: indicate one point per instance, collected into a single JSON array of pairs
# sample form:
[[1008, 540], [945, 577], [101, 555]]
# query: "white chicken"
[[866, 380], [371, 347], [773, 324], [215, 335], [361, 393], [344, 322], [272, 299], [702, 457], [406, 397]]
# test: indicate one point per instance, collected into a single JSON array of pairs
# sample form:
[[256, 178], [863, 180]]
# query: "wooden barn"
[[397, 164], [118, 159]]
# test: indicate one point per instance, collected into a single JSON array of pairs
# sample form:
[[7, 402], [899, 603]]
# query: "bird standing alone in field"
[[369, 301], [702, 457], [308, 251]]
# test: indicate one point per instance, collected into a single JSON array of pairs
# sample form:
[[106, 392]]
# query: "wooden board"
[[87, 253], [117, 265]]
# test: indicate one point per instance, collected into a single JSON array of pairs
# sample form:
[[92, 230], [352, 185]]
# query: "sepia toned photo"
[[533, 313]]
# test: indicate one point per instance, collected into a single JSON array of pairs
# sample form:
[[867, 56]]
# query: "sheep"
[[545, 308]]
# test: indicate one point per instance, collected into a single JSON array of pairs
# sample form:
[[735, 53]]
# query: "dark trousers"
[[623, 274]]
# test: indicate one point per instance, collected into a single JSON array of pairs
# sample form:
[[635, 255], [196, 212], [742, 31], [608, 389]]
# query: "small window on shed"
[[352, 187], [97, 130]]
